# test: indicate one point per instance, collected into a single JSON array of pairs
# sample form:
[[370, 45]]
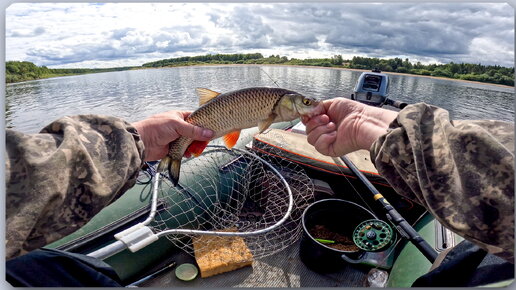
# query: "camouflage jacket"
[[59, 179], [461, 171]]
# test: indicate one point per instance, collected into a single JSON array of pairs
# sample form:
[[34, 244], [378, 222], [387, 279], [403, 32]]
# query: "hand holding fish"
[[228, 113], [346, 126], [159, 130]]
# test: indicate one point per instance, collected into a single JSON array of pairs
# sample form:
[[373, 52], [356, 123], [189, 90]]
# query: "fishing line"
[[270, 77], [335, 159], [403, 227]]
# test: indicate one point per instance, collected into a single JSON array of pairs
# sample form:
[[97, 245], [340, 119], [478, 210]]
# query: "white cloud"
[[108, 34], [489, 48]]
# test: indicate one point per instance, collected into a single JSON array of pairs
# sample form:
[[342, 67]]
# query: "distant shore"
[[289, 65], [354, 69], [432, 77]]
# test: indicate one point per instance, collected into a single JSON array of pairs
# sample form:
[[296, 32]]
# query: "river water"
[[137, 94]]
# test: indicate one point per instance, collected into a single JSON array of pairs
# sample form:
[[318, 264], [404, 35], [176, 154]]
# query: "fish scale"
[[258, 106], [231, 112]]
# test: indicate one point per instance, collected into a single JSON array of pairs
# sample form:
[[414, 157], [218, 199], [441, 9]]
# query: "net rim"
[[158, 179]]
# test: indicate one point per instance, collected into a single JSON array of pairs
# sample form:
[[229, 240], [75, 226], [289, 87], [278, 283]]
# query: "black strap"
[[55, 268]]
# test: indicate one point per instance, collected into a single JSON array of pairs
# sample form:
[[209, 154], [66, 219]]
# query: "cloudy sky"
[[126, 34]]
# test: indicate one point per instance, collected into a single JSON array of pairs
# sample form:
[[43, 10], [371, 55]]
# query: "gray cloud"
[[440, 31], [27, 33], [444, 32], [122, 43], [118, 34], [248, 28]]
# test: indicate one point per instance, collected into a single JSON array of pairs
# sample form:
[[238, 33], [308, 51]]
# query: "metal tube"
[[119, 246], [154, 204], [108, 250]]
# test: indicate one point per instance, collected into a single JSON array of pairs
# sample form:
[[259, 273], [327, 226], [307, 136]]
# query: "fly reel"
[[373, 235]]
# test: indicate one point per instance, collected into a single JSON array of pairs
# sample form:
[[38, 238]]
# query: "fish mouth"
[[318, 110]]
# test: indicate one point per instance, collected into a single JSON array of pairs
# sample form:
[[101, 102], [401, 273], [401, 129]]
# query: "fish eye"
[[307, 102]]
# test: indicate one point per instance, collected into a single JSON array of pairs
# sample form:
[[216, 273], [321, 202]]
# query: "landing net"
[[236, 191]]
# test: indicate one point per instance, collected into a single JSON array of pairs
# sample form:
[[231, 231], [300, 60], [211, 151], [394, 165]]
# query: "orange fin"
[[205, 95], [231, 139], [196, 148]]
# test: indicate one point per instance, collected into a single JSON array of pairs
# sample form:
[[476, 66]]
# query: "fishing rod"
[[401, 224], [393, 215], [152, 275]]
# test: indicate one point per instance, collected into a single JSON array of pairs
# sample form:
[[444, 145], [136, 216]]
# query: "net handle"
[[140, 236]]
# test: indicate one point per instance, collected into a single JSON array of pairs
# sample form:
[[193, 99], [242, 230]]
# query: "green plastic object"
[[373, 235], [126, 264], [186, 272], [411, 263]]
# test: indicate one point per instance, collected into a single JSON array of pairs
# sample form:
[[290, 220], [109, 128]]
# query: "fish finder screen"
[[372, 83]]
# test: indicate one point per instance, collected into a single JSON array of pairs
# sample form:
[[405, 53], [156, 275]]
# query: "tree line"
[[22, 70], [464, 71], [239, 58], [203, 59], [19, 71]]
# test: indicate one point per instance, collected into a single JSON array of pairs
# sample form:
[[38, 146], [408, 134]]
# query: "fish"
[[228, 113]]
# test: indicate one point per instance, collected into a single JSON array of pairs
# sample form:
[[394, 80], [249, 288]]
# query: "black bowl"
[[339, 216]]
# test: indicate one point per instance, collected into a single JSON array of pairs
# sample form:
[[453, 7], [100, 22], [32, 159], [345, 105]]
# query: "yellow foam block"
[[215, 254]]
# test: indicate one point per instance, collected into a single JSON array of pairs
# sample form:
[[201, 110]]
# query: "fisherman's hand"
[[159, 130], [346, 126]]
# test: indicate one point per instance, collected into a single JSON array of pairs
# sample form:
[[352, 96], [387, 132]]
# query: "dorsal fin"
[[205, 95]]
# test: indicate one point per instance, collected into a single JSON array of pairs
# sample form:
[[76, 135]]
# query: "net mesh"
[[232, 190]]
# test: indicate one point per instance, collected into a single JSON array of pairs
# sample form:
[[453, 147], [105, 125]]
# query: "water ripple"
[[134, 95]]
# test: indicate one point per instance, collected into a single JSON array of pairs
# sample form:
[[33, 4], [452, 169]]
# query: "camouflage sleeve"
[[58, 179], [461, 171]]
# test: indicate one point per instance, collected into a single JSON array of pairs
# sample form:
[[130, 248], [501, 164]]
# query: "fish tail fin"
[[173, 166], [163, 164], [173, 170]]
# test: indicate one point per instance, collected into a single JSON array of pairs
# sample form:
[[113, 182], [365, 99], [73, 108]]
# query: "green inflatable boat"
[[207, 192]]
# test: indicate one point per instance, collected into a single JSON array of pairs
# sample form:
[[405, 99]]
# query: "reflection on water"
[[134, 95], [464, 100]]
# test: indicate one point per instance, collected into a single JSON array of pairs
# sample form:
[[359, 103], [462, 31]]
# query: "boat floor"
[[283, 269]]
